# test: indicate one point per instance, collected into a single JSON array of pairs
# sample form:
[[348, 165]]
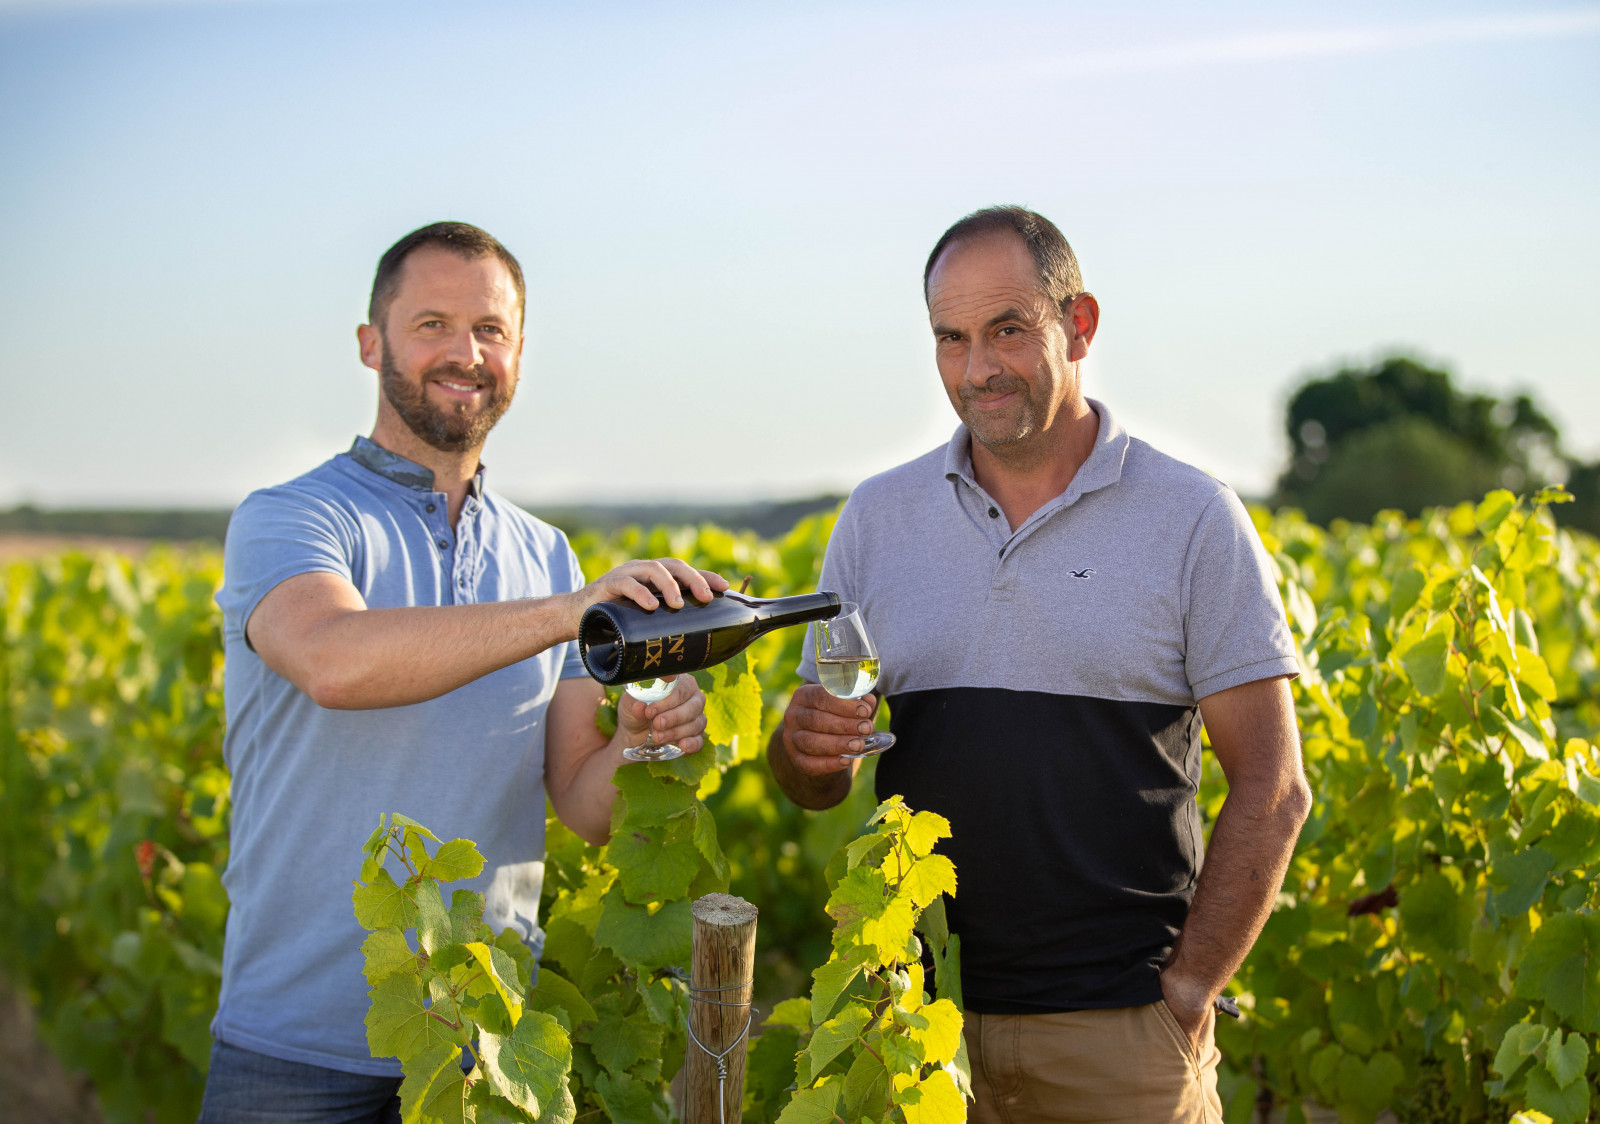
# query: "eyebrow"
[[435, 314], [999, 318]]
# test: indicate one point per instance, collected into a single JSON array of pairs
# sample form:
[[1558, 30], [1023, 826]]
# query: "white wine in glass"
[[653, 690], [847, 666]]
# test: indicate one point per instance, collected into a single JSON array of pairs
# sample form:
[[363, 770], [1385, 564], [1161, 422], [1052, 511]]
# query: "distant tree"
[[1399, 434]]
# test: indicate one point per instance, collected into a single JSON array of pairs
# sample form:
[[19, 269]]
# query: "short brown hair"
[[459, 238], [1052, 256]]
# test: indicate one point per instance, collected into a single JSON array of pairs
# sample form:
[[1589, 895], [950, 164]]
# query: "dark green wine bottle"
[[623, 643]]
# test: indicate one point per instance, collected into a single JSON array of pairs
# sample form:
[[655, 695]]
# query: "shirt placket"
[[464, 572]]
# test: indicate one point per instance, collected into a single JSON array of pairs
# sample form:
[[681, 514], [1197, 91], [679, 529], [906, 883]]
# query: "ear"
[[1082, 321], [371, 346]]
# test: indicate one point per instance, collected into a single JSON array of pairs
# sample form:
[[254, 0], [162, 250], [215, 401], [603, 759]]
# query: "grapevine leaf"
[[858, 899], [454, 860], [891, 930], [932, 1100], [705, 841], [398, 1022], [867, 848], [387, 951], [934, 925], [649, 869], [411, 826], [928, 878], [529, 1067], [619, 1043], [1518, 880], [500, 973], [1567, 1060], [942, 1037], [1425, 661], [1562, 968], [771, 1066], [382, 904], [832, 1038], [626, 1099], [1569, 1105], [1493, 510], [434, 929], [893, 810], [466, 919], [652, 800], [947, 970], [434, 1088], [510, 942], [794, 1013], [812, 1106], [925, 830], [553, 990], [1518, 1045], [490, 1109], [643, 939], [866, 1088], [831, 980], [733, 710]]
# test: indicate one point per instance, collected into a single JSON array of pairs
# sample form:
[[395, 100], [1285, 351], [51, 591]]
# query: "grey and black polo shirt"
[[1043, 683]]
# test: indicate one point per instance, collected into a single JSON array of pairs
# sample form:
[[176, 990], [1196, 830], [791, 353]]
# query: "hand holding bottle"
[[648, 583]]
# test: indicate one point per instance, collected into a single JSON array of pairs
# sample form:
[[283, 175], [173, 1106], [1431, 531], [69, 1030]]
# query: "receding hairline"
[[1055, 266], [468, 242]]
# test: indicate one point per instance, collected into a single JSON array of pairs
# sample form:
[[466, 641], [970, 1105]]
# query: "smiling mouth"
[[459, 387]]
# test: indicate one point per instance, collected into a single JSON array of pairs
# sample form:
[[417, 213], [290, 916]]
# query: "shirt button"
[[433, 507], [994, 512], [443, 545]]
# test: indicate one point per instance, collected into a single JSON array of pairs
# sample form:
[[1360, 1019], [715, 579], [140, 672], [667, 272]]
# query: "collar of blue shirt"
[[408, 474]]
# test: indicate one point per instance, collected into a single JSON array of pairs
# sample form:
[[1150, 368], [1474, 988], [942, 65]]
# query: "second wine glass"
[[847, 666]]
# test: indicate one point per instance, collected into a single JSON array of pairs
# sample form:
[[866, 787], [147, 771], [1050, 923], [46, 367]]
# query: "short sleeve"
[[838, 576], [572, 663], [275, 535], [1234, 626]]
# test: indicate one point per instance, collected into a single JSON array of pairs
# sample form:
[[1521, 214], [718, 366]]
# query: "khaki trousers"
[[1128, 1064]]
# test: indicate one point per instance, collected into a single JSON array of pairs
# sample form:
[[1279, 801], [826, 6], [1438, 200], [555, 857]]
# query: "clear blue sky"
[[723, 213]]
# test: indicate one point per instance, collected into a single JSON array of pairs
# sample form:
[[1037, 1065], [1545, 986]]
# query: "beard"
[[452, 429], [1015, 423]]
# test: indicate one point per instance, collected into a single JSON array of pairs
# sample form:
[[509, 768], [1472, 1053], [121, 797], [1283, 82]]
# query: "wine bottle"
[[623, 643]]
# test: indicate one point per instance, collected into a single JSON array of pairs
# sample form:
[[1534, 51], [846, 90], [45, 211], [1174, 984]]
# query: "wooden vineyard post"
[[720, 971]]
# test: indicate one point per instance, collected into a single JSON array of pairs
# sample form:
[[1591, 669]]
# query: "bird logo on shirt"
[[1081, 573]]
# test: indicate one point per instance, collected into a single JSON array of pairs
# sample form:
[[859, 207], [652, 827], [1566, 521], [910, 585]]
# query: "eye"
[[491, 329], [1008, 330]]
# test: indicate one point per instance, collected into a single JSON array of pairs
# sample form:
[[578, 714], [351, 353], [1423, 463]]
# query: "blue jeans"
[[244, 1087]]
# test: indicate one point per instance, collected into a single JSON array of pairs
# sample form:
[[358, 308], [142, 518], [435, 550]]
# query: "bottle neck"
[[781, 612]]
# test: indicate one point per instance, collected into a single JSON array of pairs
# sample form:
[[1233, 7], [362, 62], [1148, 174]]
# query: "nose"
[[464, 349], [982, 362]]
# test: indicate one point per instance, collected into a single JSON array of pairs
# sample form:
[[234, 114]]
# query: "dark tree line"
[[1400, 434]]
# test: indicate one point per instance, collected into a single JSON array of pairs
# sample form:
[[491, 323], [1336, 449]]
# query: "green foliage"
[[113, 817], [460, 990], [873, 1046], [1449, 738], [1436, 931]]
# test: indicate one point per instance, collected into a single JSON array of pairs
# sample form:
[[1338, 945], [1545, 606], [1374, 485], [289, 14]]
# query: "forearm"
[[582, 798], [370, 658], [1250, 849], [814, 792]]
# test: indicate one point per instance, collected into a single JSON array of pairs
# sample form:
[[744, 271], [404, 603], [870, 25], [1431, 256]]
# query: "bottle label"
[[669, 654]]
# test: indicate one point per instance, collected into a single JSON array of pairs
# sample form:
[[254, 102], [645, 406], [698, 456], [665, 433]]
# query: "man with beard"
[[1057, 607], [401, 639]]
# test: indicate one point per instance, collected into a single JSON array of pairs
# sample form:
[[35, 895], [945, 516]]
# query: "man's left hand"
[[1190, 1004], [679, 719]]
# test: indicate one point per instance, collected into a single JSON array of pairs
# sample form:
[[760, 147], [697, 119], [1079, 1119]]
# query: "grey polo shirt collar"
[[408, 474], [1102, 469]]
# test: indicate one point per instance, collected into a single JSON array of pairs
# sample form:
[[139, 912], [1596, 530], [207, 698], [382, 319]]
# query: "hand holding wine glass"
[[847, 667], [676, 727]]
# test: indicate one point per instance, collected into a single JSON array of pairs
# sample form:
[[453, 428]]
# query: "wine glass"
[[847, 666], [649, 691]]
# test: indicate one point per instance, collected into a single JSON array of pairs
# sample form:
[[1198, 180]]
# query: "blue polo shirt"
[[310, 783]]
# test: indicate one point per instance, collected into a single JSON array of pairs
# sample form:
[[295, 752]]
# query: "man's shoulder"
[[1164, 481], [324, 490], [524, 526]]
